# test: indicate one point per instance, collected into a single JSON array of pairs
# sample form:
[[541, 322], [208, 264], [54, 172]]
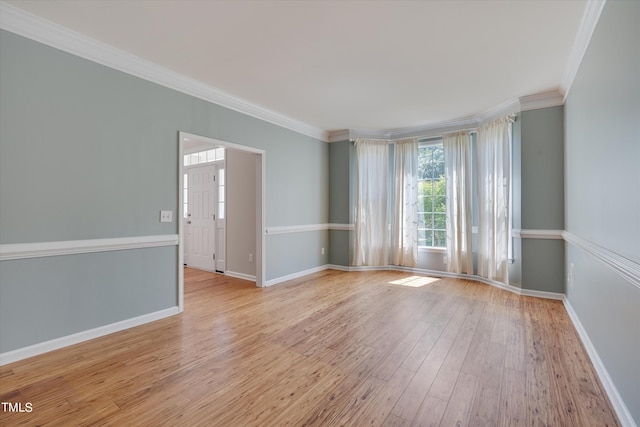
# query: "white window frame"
[[421, 248]]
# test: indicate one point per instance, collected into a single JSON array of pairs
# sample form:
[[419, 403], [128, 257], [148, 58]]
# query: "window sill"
[[431, 249]]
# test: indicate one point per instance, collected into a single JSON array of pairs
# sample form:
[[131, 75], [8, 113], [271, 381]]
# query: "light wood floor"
[[332, 348]]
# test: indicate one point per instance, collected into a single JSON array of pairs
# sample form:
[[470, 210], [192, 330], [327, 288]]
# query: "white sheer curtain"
[[371, 242], [404, 230], [494, 157], [457, 169]]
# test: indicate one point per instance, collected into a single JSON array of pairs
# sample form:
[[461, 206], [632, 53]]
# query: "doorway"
[[189, 143]]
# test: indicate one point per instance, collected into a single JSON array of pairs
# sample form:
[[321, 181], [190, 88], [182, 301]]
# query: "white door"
[[201, 222]]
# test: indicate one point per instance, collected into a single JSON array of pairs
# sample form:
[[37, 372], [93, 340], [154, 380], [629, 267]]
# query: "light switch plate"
[[166, 216]]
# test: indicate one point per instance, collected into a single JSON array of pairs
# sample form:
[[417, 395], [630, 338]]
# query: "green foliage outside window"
[[431, 196]]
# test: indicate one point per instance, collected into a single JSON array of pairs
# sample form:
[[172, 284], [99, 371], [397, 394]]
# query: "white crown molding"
[[57, 343], [504, 109], [437, 129], [17, 21], [369, 134], [338, 135], [624, 267], [27, 25], [72, 247], [530, 102], [541, 100], [583, 37]]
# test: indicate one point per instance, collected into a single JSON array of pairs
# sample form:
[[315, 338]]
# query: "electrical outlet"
[[322, 251], [444, 259], [166, 216], [250, 257]]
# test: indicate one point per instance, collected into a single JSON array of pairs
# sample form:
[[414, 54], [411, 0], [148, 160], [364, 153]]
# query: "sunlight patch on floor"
[[414, 281]]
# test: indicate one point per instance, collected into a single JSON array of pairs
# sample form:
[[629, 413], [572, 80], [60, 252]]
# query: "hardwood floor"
[[332, 348]]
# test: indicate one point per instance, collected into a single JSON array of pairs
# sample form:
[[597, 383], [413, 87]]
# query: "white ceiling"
[[344, 64]]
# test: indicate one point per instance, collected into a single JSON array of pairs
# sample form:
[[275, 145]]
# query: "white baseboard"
[[240, 276], [612, 392], [57, 343], [437, 273], [296, 275]]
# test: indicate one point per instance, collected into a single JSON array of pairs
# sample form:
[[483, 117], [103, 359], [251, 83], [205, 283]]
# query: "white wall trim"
[[261, 179], [541, 100], [342, 227], [296, 275], [240, 276], [296, 228], [57, 343], [510, 107], [537, 234], [626, 268], [35, 28], [338, 135], [71, 247], [583, 38], [285, 229], [524, 103], [432, 273], [612, 392]]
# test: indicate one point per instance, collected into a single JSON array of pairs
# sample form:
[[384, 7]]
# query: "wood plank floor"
[[332, 348]]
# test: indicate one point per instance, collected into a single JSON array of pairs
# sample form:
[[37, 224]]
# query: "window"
[[221, 193], [202, 157], [207, 156], [431, 195], [185, 198]]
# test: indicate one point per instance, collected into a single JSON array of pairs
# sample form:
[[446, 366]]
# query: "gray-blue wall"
[[340, 161], [88, 152], [602, 195], [538, 198]]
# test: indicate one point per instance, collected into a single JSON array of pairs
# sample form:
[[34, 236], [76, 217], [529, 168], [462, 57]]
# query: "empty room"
[[363, 213]]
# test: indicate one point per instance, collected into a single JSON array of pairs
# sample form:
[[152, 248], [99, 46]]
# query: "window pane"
[[426, 204], [221, 177], [440, 239], [425, 188], [194, 158], [429, 238], [221, 210], [422, 237], [219, 153], [221, 194], [211, 155], [202, 156], [187, 160], [440, 221]]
